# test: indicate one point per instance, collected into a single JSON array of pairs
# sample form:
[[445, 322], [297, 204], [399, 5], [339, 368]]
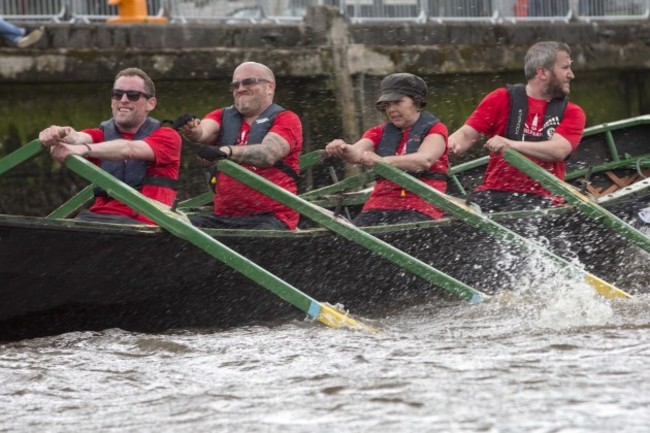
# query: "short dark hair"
[[149, 87], [542, 54]]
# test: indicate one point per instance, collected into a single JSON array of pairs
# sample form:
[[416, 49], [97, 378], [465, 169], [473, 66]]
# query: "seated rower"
[[261, 136], [413, 140], [131, 146], [536, 119]]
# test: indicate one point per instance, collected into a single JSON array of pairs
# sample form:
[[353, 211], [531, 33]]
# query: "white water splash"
[[548, 296]]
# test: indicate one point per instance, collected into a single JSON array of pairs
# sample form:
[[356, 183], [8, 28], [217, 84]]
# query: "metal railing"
[[92, 10], [48, 10], [229, 11]]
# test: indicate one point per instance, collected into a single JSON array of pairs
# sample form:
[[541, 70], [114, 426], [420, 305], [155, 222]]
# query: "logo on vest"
[[549, 126], [260, 121], [519, 116]]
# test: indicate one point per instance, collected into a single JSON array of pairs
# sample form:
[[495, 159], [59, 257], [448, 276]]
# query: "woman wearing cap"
[[413, 140]]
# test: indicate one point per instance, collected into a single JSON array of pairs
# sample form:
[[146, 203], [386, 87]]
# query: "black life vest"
[[132, 172], [519, 112], [231, 124], [392, 136]]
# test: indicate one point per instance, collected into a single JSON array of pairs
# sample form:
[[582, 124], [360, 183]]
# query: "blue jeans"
[[10, 32]]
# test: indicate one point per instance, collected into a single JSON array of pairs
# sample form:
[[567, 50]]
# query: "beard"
[[555, 88], [248, 104], [125, 120]]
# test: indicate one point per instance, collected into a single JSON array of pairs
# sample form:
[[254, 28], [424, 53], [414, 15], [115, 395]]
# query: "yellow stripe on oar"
[[335, 318], [605, 289]]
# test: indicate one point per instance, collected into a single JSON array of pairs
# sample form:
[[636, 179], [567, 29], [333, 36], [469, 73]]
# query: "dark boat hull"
[[59, 276]]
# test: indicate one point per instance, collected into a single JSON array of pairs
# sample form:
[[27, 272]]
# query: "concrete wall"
[[79, 52], [327, 69]]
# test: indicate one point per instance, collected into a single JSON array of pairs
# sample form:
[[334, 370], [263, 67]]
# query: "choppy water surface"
[[563, 361]]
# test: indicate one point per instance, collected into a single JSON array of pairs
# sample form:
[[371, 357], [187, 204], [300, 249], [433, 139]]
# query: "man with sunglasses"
[[131, 146], [261, 136], [535, 119]]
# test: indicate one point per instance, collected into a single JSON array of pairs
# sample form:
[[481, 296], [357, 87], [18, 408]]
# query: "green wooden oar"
[[181, 228], [74, 204], [19, 156], [307, 160], [351, 232], [579, 200], [475, 218]]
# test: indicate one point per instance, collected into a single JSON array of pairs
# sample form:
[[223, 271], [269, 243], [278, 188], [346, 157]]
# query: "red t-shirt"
[[166, 146], [233, 198], [387, 195], [491, 118]]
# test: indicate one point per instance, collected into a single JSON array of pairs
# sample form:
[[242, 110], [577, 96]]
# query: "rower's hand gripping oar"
[[178, 226], [475, 218], [579, 200]]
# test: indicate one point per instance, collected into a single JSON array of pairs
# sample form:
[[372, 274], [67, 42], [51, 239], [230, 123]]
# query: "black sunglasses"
[[131, 95], [246, 82]]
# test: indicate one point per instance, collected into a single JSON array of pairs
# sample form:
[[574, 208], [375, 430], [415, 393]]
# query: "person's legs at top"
[[18, 36], [10, 32]]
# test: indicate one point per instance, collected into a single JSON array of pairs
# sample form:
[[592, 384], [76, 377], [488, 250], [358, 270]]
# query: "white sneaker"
[[30, 38]]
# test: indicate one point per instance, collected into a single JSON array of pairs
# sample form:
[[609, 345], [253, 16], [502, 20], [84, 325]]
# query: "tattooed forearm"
[[272, 149]]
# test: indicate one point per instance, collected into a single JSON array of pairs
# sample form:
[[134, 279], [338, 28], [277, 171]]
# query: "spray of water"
[[545, 295]]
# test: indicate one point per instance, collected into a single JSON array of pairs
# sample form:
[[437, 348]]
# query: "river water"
[[550, 358]]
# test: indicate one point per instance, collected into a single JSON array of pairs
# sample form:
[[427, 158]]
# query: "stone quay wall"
[[82, 52]]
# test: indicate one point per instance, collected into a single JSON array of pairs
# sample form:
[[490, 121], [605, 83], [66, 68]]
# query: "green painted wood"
[[460, 210], [344, 199], [351, 232], [579, 200], [606, 128], [346, 184], [640, 161], [25, 153], [74, 204], [619, 124], [312, 159], [468, 165], [307, 160], [611, 145], [183, 229], [202, 199]]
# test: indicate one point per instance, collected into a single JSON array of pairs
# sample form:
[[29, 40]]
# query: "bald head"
[[254, 69], [253, 87]]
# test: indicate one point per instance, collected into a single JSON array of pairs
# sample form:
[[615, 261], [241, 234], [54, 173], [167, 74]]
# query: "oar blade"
[[336, 318], [605, 289]]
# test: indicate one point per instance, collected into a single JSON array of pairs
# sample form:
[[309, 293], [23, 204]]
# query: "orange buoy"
[[133, 11]]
